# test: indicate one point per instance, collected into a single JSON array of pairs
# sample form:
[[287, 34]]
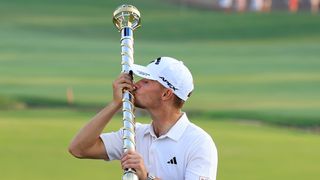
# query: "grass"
[[34, 144], [36, 147], [259, 78]]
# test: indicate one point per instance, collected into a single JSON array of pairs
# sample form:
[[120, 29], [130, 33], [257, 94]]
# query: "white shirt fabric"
[[186, 152]]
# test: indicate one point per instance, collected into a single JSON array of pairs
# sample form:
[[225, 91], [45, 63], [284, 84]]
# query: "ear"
[[167, 94]]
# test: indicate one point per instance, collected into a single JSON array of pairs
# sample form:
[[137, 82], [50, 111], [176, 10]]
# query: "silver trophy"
[[127, 18]]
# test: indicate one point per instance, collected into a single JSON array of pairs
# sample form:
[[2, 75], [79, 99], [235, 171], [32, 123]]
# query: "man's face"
[[147, 94]]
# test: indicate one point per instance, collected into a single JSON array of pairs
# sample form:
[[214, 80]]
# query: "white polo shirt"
[[186, 152]]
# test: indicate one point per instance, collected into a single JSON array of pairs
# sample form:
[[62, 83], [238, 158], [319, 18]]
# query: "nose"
[[139, 84]]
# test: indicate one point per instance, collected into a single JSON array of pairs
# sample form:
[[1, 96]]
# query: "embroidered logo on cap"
[[157, 61], [143, 73], [168, 83]]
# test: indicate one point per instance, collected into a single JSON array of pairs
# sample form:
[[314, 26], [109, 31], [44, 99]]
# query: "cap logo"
[[157, 61], [168, 83], [143, 73]]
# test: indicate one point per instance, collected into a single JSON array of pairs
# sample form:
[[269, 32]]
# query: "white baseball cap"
[[169, 72]]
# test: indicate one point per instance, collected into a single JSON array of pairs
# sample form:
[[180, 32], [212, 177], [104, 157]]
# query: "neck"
[[163, 120]]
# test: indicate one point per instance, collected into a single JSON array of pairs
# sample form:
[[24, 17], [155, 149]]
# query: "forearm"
[[89, 134]]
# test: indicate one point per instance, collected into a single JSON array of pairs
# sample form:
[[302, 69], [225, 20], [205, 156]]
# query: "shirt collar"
[[176, 130]]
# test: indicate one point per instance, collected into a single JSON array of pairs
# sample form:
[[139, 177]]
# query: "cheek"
[[150, 91], [148, 94]]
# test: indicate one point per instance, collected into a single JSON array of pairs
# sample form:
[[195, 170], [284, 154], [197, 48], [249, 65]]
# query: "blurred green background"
[[257, 84]]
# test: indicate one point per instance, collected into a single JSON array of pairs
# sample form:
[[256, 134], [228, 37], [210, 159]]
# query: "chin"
[[138, 105]]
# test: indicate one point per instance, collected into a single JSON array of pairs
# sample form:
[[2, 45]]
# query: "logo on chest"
[[172, 161]]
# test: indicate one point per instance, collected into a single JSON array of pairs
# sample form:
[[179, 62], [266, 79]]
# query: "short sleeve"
[[113, 143], [203, 161]]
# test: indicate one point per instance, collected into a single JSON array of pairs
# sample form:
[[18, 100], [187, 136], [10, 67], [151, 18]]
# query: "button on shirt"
[[186, 152]]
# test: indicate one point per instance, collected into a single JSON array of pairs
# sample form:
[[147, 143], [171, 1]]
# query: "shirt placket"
[[152, 152]]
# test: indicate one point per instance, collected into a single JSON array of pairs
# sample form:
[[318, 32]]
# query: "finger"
[[125, 76], [125, 85], [130, 151], [128, 85], [122, 81], [131, 163], [125, 157], [129, 76], [130, 158]]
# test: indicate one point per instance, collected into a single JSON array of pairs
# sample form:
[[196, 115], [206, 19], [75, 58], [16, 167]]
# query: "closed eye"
[[145, 81]]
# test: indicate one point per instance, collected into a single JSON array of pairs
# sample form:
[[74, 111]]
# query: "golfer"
[[171, 147]]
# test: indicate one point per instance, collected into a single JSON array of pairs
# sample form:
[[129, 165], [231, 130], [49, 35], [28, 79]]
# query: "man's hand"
[[132, 159], [124, 81]]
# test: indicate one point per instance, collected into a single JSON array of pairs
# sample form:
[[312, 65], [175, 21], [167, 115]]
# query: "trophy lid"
[[126, 16]]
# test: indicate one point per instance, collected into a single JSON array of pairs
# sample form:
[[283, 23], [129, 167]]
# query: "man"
[[171, 147]]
